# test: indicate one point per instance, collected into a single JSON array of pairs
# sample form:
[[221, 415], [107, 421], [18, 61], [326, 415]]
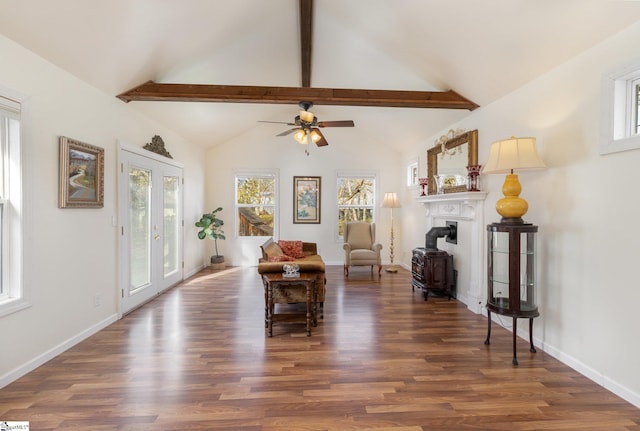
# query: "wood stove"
[[431, 268]]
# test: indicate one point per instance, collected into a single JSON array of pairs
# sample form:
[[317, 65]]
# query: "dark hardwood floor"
[[197, 358]]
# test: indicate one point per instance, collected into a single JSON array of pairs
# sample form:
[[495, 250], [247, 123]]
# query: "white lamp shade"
[[390, 201], [513, 154]]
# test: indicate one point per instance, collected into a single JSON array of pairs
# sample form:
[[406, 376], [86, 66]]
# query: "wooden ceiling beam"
[[152, 91], [306, 28]]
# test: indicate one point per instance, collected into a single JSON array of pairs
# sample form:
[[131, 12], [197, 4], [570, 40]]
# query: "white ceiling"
[[482, 49]]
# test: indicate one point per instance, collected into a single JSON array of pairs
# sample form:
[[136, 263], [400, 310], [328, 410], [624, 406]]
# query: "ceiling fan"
[[307, 126]]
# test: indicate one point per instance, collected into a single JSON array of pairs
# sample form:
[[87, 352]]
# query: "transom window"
[[620, 118], [356, 198], [256, 199], [412, 174], [634, 98]]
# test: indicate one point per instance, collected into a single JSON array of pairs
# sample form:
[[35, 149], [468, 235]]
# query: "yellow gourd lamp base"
[[512, 207]]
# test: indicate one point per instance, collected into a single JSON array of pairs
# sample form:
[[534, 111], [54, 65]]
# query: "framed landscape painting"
[[81, 176], [306, 200]]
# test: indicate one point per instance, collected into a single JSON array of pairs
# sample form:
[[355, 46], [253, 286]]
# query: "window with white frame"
[[10, 208], [412, 174], [356, 198], [256, 198], [620, 116]]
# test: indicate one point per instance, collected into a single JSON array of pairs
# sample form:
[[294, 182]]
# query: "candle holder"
[[474, 172], [424, 183]]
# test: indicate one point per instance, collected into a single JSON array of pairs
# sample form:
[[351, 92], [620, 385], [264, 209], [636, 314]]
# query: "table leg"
[[315, 304], [514, 361], [266, 304], [487, 341], [532, 349], [309, 288], [270, 310]]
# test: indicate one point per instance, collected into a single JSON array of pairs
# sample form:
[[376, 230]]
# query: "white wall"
[[70, 255], [586, 207], [584, 203], [349, 149]]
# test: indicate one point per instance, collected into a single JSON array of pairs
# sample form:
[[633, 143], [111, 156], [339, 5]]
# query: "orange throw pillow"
[[292, 248], [282, 258]]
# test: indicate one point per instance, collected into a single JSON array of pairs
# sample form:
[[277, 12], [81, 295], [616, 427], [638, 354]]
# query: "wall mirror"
[[450, 157]]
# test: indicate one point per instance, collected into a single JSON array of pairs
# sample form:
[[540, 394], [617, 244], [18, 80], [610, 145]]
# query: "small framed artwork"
[[81, 175], [306, 200]]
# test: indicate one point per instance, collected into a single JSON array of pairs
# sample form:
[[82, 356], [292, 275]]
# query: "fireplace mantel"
[[454, 205], [468, 207]]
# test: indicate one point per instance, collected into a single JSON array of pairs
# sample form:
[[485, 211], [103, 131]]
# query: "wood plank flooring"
[[197, 358]]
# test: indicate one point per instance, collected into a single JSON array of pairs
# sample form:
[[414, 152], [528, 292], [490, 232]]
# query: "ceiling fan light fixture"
[[306, 116], [315, 136], [301, 136]]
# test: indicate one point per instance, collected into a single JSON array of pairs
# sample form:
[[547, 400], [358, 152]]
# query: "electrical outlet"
[[96, 300]]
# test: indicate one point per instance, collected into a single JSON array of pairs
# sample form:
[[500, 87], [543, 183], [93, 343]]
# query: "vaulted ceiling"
[[482, 50]]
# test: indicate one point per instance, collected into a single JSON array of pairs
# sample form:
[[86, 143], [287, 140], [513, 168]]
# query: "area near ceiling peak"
[[152, 91]]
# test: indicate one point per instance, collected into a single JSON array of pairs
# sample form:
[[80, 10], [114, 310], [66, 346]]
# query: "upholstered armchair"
[[360, 246]]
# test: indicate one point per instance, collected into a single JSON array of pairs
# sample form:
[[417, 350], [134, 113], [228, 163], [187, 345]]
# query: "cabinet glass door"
[[511, 268], [499, 269], [527, 271]]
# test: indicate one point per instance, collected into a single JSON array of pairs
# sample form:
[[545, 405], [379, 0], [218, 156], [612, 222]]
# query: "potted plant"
[[211, 226]]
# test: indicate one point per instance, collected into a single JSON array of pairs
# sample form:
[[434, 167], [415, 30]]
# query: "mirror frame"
[[471, 138]]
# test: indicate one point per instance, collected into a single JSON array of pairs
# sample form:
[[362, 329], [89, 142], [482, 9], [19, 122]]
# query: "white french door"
[[150, 202]]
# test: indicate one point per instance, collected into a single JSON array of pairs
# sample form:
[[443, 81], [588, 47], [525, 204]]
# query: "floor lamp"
[[391, 201]]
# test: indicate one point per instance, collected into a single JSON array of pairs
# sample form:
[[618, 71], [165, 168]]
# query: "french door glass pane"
[[171, 222], [140, 247]]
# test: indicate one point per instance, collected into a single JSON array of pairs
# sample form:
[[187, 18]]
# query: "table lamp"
[[507, 156]]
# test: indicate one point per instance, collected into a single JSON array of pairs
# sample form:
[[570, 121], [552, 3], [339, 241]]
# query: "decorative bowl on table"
[[291, 270]]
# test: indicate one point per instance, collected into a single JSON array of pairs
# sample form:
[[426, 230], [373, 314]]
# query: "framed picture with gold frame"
[[306, 200], [81, 175]]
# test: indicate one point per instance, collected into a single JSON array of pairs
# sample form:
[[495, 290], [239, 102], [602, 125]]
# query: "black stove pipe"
[[431, 238]]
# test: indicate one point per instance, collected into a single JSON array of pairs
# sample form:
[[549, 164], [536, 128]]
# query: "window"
[[412, 174], [256, 199], [634, 96], [620, 113], [10, 208], [356, 198]]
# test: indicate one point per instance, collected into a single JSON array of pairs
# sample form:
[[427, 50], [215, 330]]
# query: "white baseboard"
[[194, 271], [570, 361], [591, 374], [55, 351]]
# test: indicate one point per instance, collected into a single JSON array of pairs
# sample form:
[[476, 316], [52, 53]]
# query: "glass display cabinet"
[[511, 287]]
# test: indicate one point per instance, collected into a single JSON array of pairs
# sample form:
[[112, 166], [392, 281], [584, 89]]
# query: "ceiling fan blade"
[[343, 123], [287, 132], [322, 142], [277, 122]]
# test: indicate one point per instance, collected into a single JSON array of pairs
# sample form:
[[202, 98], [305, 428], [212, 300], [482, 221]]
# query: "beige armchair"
[[360, 246]]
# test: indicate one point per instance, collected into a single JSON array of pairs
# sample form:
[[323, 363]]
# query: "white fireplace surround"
[[467, 207]]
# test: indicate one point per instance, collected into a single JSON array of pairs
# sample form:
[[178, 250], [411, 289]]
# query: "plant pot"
[[217, 262]]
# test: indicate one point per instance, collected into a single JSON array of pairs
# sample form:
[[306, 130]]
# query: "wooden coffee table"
[[279, 289]]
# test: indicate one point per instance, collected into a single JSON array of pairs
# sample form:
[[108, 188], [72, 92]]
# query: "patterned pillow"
[[283, 258], [292, 248]]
